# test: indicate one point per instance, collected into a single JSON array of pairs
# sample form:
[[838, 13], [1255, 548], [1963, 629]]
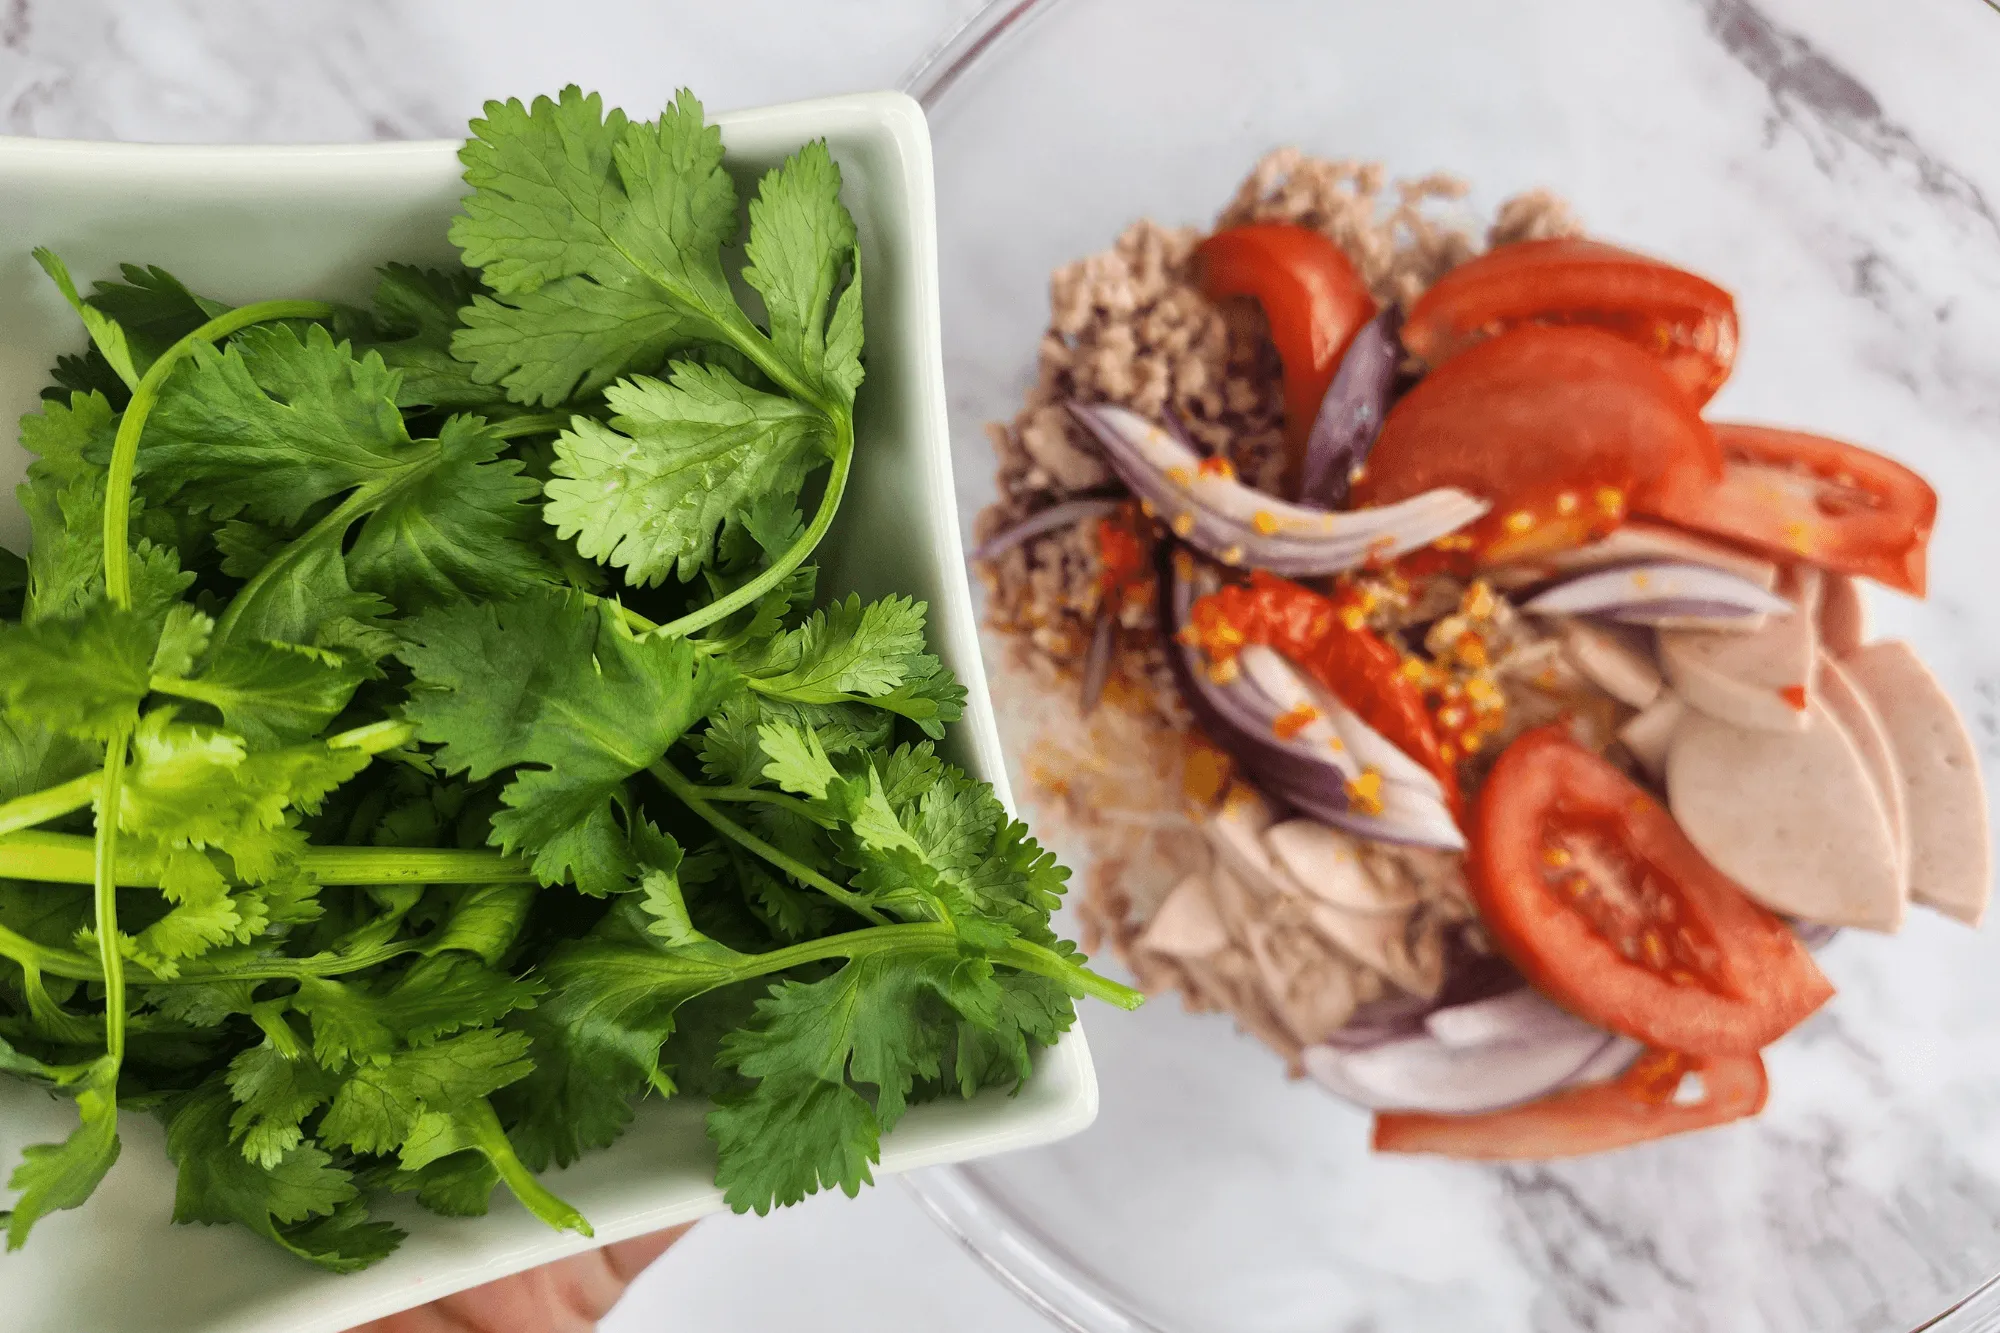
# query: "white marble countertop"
[[342, 70]]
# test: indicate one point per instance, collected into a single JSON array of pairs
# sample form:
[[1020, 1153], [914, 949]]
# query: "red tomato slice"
[[1806, 497], [1560, 427], [1685, 322], [1329, 642], [1593, 891], [1313, 300], [1638, 1105]]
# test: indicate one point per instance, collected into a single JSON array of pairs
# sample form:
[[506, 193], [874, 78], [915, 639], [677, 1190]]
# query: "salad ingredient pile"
[[1455, 705], [377, 809]]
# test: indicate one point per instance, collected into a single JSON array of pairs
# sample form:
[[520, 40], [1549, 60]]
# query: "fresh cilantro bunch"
[[422, 736]]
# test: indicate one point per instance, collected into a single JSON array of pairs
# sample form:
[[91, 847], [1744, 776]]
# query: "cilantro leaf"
[[153, 308], [267, 692], [356, 1023], [415, 316], [797, 762], [802, 1125], [277, 1092], [271, 425], [457, 524], [801, 237], [105, 335], [601, 239], [597, 1039], [306, 597], [196, 787], [378, 1104], [54, 1176], [304, 1202], [847, 652], [648, 491], [39, 680], [557, 687]]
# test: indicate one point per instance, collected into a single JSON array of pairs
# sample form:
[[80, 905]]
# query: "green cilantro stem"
[[780, 569], [757, 795], [360, 501], [125, 446], [531, 423], [64, 858], [118, 588], [536, 1197], [104, 893], [933, 936], [692, 797], [39, 807]]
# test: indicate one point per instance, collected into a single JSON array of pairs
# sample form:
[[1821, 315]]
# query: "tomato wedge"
[[1685, 322], [1560, 427], [1638, 1105], [1593, 891], [1313, 300], [1327, 640], [1808, 497]]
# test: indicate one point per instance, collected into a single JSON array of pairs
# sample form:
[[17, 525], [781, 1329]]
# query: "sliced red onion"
[[1524, 1015], [1067, 514], [1656, 591], [1373, 750], [1351, 414], [1616, 1057], [1097, 660], [1813, 934], [1304, 771], [1421, 1073], [1218, 515]]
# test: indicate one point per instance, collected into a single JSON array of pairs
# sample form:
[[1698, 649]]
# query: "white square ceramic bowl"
[[247, 223]]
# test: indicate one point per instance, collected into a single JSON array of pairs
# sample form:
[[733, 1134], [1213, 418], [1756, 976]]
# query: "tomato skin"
[[1329, 641], [1633, 1108], [1313, 299], [1807, 497], [1121, 558], [1560, 427], [1686, 322], [1698, 966]]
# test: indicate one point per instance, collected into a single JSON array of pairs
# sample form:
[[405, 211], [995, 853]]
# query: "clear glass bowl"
[[1833, 163]]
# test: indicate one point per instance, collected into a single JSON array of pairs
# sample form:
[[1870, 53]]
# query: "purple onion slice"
[[1210, 510], [1421, 1073], [1067, 514], [1304, 771], [1097, 660], [1350, 416], [1655, 591]]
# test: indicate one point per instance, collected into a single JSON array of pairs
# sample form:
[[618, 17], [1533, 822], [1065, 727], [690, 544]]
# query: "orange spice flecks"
[[1204, 772], [1365, 793], [1794, 696], [1215, 465], [1294, 720]]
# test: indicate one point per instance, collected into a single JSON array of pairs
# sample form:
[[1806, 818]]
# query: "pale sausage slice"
[[1951, 851], [1612, 663], [1843, 615], [1186, 924], [1792, 816], [1757, 680], [1857, 717], [1648, 733], [1236, 832], [1327, 865], [1635, 541]]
